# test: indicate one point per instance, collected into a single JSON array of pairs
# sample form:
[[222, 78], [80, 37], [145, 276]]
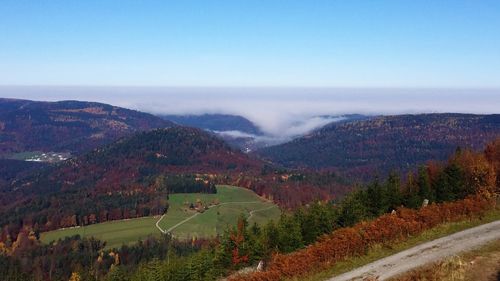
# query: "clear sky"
[[251, 43]]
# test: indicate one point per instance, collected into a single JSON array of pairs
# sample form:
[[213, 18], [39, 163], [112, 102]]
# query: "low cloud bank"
[[279, 112]]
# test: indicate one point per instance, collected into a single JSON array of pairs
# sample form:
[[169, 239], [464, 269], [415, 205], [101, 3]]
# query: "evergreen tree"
[[393, 191], [450, 184], [271, 240], [376, 199], [456, 180], [424, 185], [411, 198], [353, 209], [318, 219], [290, 234], [443, 188]]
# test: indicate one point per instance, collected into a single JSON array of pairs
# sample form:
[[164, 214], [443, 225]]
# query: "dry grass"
[[482, 264], [451, 269]]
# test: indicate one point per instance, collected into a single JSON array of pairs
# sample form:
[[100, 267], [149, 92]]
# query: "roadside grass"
[[479, 264], [380, 251], [483, 263], [207, 224]]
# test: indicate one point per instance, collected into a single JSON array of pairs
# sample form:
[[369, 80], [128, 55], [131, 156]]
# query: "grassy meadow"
[[232, 202]]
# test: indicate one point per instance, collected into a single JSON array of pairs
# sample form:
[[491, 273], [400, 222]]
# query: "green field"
[[233, 201]]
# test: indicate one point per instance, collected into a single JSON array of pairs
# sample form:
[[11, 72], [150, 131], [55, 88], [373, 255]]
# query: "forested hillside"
[[67, 126], [133, 176], [129, 178], [11, 169], [382, 144]]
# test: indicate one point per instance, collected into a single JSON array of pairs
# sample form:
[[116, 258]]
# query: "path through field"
[[425, 253], [197, 213], [232, 200]]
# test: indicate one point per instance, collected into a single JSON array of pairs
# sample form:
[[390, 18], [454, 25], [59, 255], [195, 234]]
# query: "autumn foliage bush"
[[358, 239]]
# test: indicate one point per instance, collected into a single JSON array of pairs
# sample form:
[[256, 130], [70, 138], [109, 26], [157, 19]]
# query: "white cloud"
[[279, 112]]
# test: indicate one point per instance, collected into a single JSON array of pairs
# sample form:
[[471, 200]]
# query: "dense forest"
[[127, 179], [362, 149], [67, 126], [332, 229], [11, 169], [133, 176]]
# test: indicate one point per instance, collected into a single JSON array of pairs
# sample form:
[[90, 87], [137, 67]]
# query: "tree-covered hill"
[[381, 144], [128, 178], [67, 126], [133, 176]]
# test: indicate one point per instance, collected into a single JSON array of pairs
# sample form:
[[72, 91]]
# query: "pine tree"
[[456, 180], [393, 191], [424, 185], [376, 199], [271, 239], [353, 209], [290, 234], [411, 199]]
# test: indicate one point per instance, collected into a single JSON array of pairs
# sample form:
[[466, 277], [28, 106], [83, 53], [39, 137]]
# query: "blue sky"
[[241, 43]]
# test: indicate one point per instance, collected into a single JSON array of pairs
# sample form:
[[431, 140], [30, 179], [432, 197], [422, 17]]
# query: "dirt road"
[[425, 253]]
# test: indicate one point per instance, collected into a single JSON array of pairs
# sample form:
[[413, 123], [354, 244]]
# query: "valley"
[[158, 198]]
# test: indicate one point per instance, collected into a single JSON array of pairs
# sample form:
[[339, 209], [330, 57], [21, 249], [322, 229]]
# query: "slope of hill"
[[381, 144], [128, 178], [132, 177], [10, 169], [67, 126]]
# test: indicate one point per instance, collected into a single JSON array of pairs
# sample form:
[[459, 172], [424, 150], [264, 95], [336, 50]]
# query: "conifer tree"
[[424, 185], [353, 209], [393, 191], [376, 198]]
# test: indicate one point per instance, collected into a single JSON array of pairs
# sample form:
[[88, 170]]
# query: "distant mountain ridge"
[[380, 144], [70, 126]]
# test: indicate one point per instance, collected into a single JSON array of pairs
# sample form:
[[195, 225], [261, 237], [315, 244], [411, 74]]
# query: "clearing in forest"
[[189, 215]]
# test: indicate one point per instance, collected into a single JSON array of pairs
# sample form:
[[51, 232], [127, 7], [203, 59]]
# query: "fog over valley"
[[280, 113]]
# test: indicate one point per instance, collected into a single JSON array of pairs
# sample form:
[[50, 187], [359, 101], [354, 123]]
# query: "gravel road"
[[425, 253]]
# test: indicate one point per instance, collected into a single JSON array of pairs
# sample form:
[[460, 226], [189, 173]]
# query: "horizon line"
[[250, 87]]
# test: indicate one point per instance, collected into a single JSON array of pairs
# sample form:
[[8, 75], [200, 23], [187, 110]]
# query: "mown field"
[[233, 202]]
